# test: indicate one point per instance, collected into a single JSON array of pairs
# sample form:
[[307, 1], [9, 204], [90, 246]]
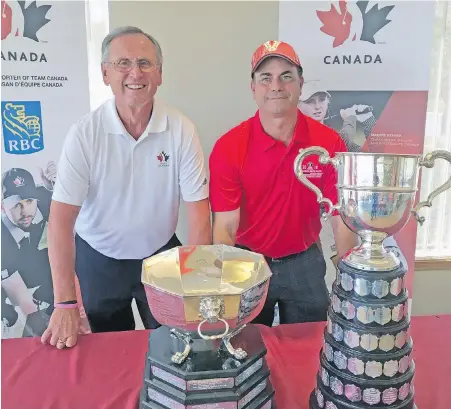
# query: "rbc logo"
[[22, 127]]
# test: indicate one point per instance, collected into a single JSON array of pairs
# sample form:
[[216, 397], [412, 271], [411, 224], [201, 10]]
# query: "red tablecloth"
[[105, 370]]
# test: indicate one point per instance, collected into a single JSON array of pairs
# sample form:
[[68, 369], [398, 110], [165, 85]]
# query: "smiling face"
[[316, 106], [132, 71], [276, 86]]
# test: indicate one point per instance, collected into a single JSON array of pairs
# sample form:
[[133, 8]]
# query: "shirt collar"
[[301, 132], [158, 120], [17, 233]]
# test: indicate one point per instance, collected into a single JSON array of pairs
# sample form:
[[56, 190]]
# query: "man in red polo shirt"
[[256, 199]]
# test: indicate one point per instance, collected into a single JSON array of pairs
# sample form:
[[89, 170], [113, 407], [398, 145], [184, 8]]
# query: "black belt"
[[284, 258], [273, 259]]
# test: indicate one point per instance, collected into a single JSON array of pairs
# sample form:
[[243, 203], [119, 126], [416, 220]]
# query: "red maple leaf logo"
[[6, 20], [336, 23], [160, 157]]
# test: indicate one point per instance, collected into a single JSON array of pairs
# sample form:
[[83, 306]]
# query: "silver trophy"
[[376, 198], [366, 357], [205, 354]]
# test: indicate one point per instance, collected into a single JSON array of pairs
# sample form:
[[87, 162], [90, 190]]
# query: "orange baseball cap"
[[274, 48]]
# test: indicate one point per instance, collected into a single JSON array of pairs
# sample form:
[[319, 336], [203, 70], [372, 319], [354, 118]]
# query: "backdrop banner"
[[366, 71], [45, 89]]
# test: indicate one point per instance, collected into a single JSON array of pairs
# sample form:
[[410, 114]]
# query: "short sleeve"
[[225, 180], [72, 181], [331, 175], [193, 175]]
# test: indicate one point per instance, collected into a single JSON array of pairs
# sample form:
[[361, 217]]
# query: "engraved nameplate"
[[252, 394], [168, 377], [248, 372], [205, 384]]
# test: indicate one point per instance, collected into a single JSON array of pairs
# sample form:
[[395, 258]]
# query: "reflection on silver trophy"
[[366, 356], [204, 297]]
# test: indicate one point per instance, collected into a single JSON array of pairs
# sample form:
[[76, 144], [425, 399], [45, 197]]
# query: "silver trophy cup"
[[376, 195], [367, 355]]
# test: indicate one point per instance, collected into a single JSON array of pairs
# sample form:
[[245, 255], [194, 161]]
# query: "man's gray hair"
[[120, 31]]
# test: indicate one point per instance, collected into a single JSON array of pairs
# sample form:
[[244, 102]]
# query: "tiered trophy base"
[[210, 377], [366, 358], [314, 404]]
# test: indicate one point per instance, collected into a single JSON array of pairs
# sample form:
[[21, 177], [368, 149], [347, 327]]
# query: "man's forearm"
[[62, 249], [225, 226], [200, 234], [62, 263], [199, 222]]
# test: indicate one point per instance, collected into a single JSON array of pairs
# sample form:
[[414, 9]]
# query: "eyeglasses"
[[126, 65]]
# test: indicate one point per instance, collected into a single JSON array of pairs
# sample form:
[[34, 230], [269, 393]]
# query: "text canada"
[[48, 78], [23, 56], [353, 59]]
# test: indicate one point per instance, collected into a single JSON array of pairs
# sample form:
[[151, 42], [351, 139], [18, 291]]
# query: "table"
[[104, 371]]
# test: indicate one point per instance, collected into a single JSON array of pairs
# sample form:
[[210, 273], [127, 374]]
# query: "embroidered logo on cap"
[[19, 181], [271, 45]]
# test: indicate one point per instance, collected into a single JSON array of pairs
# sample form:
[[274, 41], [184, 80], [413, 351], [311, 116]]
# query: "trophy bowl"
[[206, 291], [376, 196]]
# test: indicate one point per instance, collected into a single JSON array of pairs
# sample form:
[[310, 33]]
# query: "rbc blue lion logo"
[[22, 127]]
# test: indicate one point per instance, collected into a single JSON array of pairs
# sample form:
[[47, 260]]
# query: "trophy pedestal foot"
[[385, 262], [180, 356], [208, 376], [237, 353]]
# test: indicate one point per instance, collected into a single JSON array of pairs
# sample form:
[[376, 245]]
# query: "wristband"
[[70, 304]]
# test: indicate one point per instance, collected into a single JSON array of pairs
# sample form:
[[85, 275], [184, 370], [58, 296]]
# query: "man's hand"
[[225, 226], [335, 260], [63, 328], [48, 175], [345, 239]]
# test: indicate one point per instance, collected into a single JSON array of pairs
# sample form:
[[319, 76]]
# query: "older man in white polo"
[[122, 173]]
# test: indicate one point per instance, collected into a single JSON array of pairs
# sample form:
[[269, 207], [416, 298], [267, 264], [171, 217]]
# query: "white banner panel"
[[366, 70], [371, 45], [44, 91]]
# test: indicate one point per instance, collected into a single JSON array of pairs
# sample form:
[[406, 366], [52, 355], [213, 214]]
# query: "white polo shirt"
[[129, 191]]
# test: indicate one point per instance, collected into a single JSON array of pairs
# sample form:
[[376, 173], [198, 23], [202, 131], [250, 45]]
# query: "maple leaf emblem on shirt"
[[337, 22], [163, 157]]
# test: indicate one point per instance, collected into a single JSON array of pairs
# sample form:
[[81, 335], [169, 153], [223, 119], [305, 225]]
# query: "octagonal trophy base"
[[210, 377]]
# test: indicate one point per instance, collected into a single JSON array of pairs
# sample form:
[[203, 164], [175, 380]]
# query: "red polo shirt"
[[250, 170]]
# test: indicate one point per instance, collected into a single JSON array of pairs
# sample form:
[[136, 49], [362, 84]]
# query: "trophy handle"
[[428, 162], [324, 159]]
